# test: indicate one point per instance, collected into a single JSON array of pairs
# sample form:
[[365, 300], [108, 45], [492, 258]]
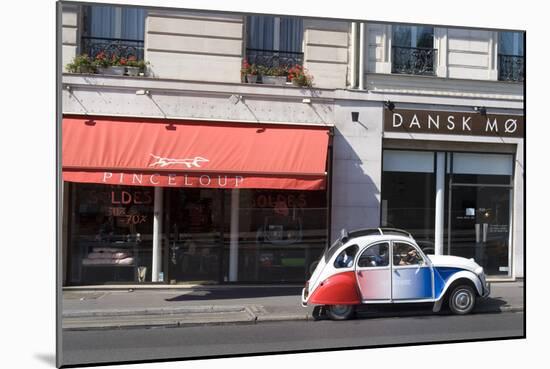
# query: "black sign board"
[[453, 123]]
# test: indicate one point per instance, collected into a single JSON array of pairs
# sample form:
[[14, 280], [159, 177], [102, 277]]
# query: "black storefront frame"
[[448, 169]]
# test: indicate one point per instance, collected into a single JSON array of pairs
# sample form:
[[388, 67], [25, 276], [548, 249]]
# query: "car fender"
[[338, 289], [464, 274]]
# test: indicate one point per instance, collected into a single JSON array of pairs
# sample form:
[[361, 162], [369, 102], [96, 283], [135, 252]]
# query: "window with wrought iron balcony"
[[273, 48], [511, 59], [112, 41], [412, 50]]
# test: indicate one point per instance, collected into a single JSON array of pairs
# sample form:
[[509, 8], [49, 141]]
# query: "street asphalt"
[[128, 345], [106, 309]]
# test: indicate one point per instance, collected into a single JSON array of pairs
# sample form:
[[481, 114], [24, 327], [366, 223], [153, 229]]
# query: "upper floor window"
[[274, 41], [413, 49], [511, 62], [114, 30]]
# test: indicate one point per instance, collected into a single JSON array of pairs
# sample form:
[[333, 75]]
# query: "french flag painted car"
[[384, 265]]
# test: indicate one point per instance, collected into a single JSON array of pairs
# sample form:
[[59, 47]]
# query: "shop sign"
[[453, 123], [277, 200], [172, 180]]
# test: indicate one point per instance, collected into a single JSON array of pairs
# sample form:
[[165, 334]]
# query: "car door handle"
[[359, 273]]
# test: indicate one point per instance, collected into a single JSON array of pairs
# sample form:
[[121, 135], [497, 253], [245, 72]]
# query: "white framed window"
[[412, 50], [511, 50], [272, 33], [511, 43], [114, 22], [115, 30], [412, 36]]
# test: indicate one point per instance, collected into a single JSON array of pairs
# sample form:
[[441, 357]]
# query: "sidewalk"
[[200, 305]]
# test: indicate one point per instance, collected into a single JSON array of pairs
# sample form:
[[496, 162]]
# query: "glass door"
[[194, 234], [479, 225]]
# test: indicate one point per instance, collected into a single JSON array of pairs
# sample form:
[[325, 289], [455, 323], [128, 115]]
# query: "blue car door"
[[412, 275]]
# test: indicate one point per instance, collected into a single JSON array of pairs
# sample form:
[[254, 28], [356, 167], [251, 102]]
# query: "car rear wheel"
[[462, 299], [340, 312]]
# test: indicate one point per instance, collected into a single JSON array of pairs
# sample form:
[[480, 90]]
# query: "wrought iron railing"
[[274, 58], [112, 46], [413, 60], [511, 68]]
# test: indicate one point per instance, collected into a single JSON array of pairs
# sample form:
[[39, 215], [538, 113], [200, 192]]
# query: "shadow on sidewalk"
[[204, 294]]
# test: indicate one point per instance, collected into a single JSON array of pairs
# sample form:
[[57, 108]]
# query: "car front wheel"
[[462, 299], [340, 312]]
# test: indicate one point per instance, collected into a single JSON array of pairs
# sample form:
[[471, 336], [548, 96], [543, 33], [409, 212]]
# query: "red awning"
[[146, 152]]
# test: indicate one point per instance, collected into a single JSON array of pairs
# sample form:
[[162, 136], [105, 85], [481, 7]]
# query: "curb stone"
[[254, 319], [155, 311]]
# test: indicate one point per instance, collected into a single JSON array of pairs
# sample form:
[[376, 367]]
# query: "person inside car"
[[345, 259], [409, 258]]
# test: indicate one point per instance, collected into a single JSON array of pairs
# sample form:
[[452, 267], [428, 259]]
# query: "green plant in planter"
[[300, 77], [80, 64], [117, 61], [101, 60], [263, 70], [133, 62], [278, 71], [248, 69], [134, 66]]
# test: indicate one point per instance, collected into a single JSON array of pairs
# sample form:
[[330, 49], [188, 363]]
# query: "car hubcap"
[[463, 300], [340, 309]]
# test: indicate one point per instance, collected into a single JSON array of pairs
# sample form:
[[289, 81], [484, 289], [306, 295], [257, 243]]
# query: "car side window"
[[405, 254], [346, 257], [375, 256]]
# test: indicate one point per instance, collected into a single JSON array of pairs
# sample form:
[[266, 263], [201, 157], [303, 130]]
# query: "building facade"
[[188, 173]]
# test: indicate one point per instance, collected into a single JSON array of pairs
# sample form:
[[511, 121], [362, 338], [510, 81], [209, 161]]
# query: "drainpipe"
[[157, 235], [353, 56], [234, 238], [439, 202], [362, 56]]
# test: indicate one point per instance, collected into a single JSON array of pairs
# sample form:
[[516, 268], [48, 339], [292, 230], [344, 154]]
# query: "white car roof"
[[363, 237], [362, 240]]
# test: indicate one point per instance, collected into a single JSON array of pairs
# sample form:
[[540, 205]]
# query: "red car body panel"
[[339, 289]]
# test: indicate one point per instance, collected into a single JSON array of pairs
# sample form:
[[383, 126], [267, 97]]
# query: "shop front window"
[[477, 210], [111, 234], [204, 235], [281, 234], [408, 196]]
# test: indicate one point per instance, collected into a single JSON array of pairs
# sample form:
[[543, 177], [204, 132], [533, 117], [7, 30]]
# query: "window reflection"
[[111, 234], [281, 234]]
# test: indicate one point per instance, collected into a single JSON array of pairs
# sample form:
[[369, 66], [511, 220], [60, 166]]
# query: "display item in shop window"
[[281, 208], [266, 260], [108, 256], [142, 272], [106, 230], [280, 231]]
